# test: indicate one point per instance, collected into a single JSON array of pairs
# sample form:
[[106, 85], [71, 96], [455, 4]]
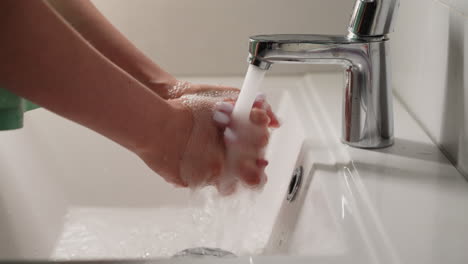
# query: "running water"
[[242, 203], [234, 224], [250, 89], [240, 116]]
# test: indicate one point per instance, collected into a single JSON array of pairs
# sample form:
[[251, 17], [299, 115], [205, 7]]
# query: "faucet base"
[[367, 96], [385, 143]]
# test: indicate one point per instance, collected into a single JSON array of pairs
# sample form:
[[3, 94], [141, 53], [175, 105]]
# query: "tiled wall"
[[430, 63]]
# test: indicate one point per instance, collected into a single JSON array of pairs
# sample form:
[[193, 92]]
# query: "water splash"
[[208, 220]]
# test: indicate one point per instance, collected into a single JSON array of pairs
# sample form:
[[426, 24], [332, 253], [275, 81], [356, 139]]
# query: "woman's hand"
[[199, 157]]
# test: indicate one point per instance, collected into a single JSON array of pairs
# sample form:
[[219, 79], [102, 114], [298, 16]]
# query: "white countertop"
[[416, 197], [403, 204], [411, 200]]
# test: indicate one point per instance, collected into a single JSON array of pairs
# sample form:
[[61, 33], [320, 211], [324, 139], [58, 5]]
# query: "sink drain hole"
[[295, 184]]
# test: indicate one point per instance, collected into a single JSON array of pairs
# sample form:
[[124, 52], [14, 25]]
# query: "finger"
[[258, 137], [261, 163], [216, 170], [250, 173], [226, 189], [250, 140], [260, 102], [222, 119], [264, 179], [222, 88], [259, 117], [226, 107], [212, 90], [230, 137], [176, 182], [274, 121], [261, 97], [232, 100]]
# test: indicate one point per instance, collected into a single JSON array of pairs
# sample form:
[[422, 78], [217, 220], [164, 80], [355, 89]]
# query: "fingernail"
[[221, 118], [260, 97], [224, 106], [262, 163], [230, 135]]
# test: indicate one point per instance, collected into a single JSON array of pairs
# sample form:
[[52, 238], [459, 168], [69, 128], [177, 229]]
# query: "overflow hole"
[[295, 184]]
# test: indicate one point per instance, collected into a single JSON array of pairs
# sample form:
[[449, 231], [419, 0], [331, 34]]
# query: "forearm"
[[46, 61], [95, 28]]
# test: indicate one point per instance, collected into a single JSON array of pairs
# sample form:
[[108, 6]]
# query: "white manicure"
[[260, 97], [221, 118], [224, 106], [230, 135]]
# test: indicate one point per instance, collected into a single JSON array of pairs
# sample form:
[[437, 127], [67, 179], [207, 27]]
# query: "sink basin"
[[67, 193]]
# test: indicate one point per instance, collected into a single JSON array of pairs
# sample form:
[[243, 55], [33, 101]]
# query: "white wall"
[[430, 65], [210, 37]]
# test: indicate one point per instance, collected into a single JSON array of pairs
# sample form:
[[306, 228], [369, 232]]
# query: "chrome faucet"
[[367, 98]]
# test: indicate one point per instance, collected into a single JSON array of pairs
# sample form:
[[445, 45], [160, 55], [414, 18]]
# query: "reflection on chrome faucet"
[[367, 98]]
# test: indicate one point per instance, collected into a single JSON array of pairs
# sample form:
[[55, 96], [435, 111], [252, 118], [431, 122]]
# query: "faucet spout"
[[373, 17], [367, 95], [265, 50], [367, 99]]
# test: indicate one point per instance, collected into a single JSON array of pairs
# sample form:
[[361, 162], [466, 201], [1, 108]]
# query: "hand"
[[199, 157]]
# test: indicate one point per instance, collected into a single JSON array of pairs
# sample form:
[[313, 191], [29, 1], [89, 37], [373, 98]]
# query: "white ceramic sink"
[[68, 193]]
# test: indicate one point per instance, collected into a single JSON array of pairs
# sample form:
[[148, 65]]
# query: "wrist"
[[155, 78], [162, 85], [164, 145]]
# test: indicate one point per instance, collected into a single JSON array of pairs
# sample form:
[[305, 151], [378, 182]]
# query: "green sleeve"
[[12, 108]]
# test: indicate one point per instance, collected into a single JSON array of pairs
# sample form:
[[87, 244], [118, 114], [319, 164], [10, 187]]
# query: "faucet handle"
[[372, 18]]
